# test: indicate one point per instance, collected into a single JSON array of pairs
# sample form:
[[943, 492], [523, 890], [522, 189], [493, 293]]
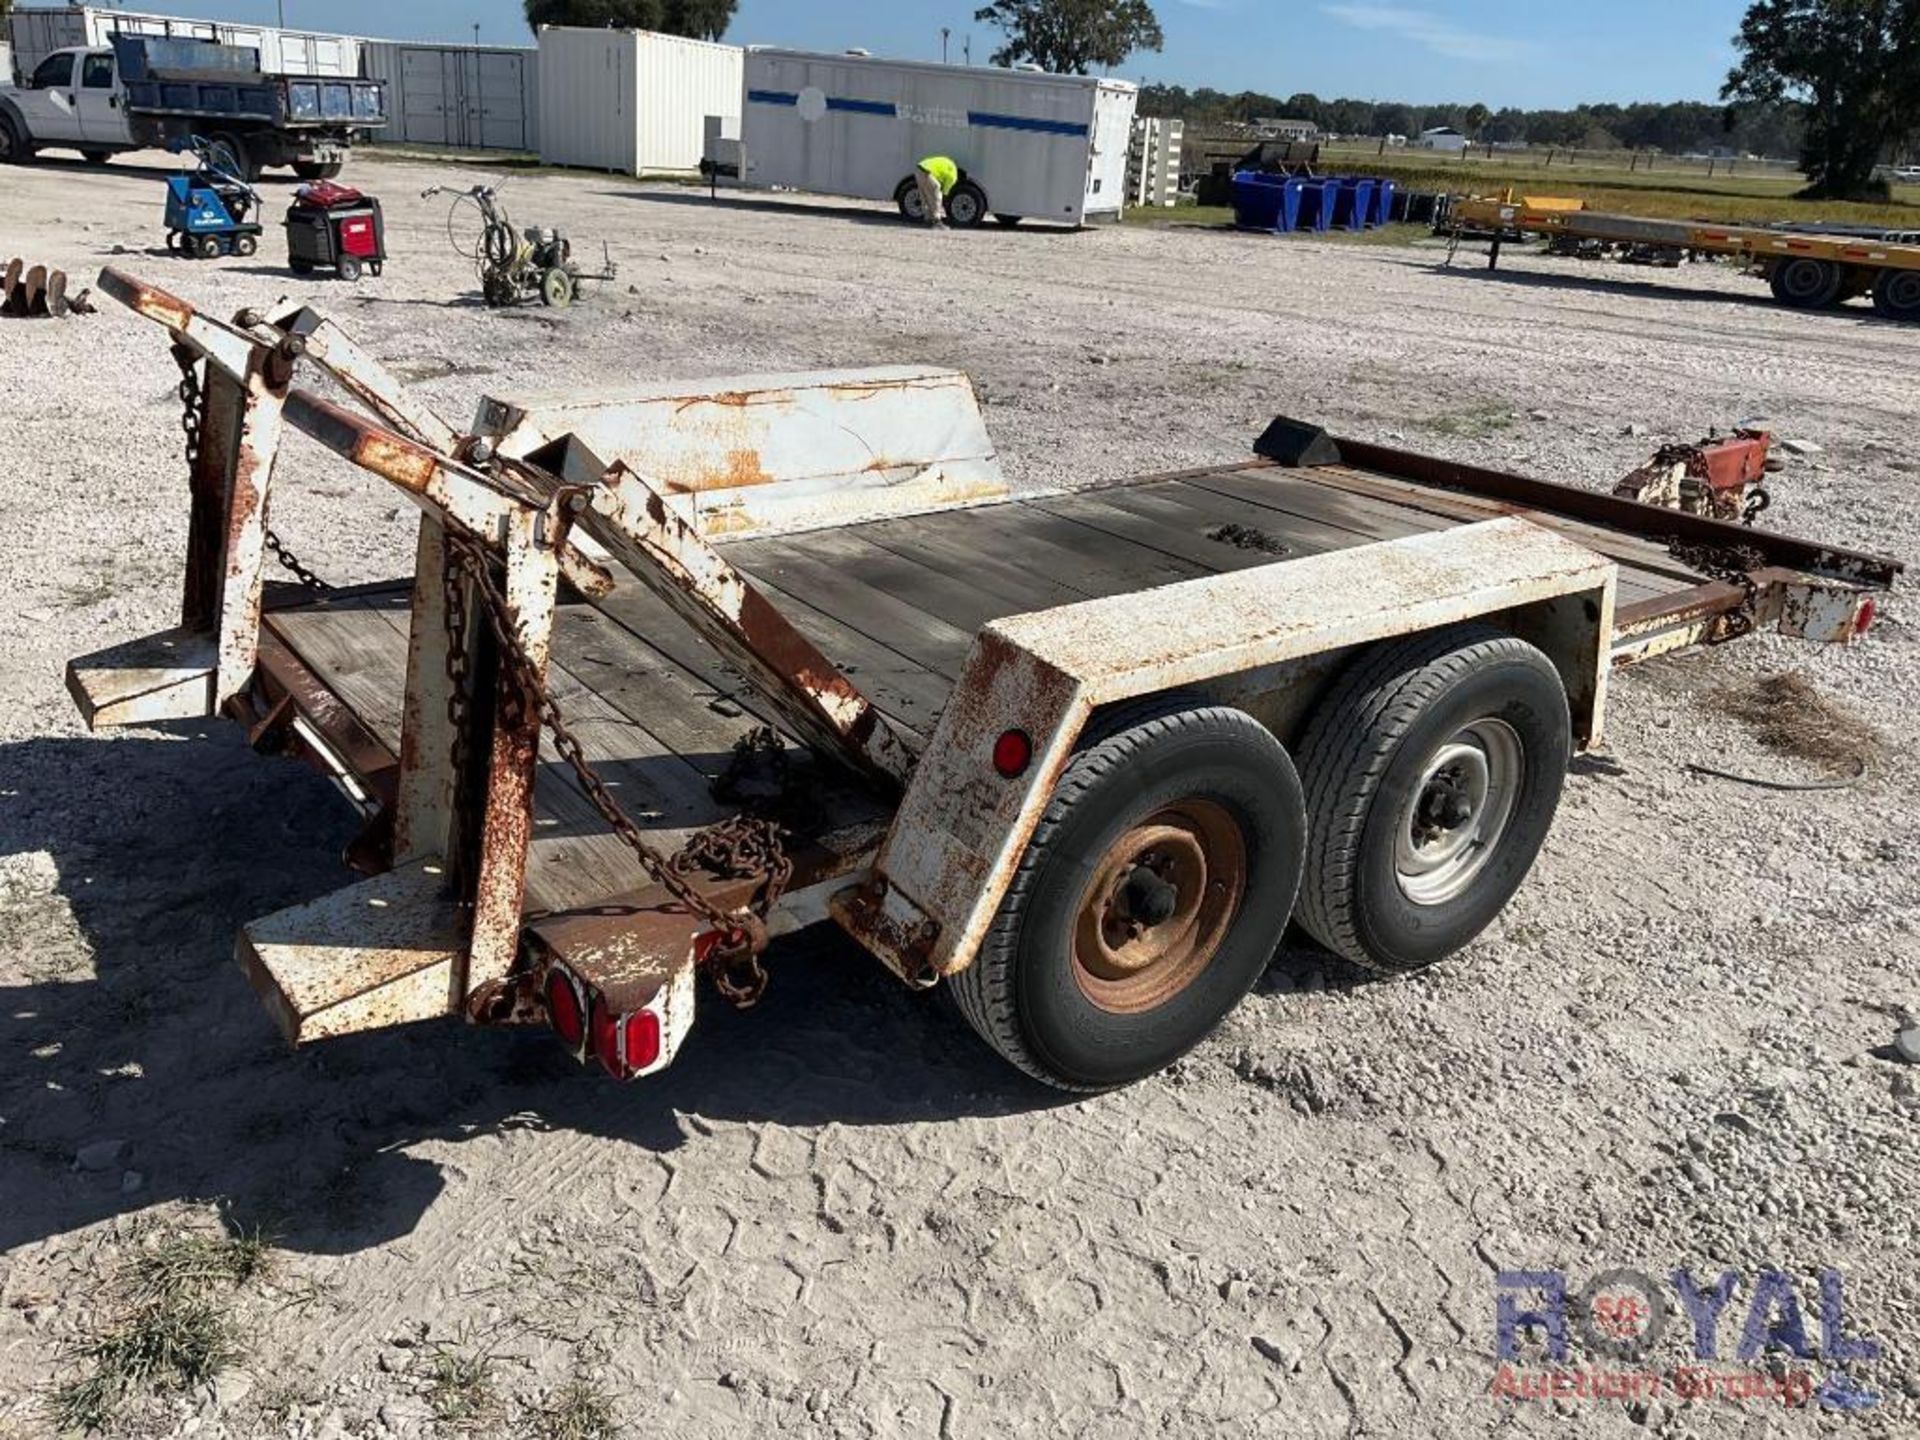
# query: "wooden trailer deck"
[[896, 603]]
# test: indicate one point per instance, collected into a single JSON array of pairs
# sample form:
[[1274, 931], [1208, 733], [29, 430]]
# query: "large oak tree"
[[702, 19], [1068, 37], [1853, 66]]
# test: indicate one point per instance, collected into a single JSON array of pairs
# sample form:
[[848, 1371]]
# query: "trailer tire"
[[1208, 803], [317, 170], [1466, 727], [966, 206], [1896, 294], [906, 196], [1008, 222], [1806, 284], [96, 157]]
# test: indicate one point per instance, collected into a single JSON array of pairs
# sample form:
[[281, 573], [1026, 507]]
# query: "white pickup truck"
[[144, 92]]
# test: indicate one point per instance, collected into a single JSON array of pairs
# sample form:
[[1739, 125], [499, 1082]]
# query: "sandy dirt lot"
[[839, 1213]]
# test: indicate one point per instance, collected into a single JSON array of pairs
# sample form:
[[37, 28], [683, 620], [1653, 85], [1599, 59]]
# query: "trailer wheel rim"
[[1902, 290], [1162, 898], [1804, 279], [962, 208], [1459, 811]]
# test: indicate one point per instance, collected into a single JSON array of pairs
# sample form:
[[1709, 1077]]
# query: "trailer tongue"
[[811, 661]]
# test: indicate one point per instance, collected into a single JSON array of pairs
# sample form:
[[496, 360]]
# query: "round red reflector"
[[1013, 753], [642, 1041], [564, 1011]]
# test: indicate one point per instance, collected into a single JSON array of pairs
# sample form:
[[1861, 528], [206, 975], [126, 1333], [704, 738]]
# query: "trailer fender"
[[1033, 682]]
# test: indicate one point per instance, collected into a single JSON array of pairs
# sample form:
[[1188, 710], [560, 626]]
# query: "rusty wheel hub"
[[1161, 900]]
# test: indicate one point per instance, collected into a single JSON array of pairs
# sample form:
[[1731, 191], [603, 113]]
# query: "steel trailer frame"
[[441, 927], [1859, 265]]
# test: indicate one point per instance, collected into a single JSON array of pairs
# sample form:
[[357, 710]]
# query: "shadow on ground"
[[125, 1019], [163, 845], [800, 206], [1611, 281]]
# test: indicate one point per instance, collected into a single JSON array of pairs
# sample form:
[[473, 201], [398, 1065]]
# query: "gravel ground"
[[838, 1212]]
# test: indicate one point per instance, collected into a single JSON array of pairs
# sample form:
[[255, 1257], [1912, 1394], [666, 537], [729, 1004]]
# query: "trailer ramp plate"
[[168, 676], [383, 952]]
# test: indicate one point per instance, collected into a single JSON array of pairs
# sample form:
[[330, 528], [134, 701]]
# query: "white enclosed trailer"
[[1031, 145], [631, 100], [38, 31]]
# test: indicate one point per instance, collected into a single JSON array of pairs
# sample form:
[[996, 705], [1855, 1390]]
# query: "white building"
[[1443, 137]]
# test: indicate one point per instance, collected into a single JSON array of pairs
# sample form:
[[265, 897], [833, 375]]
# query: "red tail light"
[[1012, 753], [1863, 622], [625, 1045], [566, 1009], [640, 1041]]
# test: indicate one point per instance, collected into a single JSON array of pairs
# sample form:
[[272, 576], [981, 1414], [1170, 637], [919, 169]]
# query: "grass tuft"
[[173, 1326], [1790, 717], [460, 1390], [578, 1410]]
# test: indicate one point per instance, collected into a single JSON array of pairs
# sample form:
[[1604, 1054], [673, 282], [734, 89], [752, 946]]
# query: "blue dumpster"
[[1383, 201], [1316, 203], [1353, 203], [1264, 202]]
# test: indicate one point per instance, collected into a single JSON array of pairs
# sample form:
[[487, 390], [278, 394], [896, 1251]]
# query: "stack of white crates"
[[1153, 161]]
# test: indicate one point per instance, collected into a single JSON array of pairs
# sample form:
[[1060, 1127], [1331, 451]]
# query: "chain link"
[[740, 847], [193, 414], [1733, 564]]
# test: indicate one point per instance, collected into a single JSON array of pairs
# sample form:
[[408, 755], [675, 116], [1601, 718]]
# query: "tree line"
[[1681, 127]]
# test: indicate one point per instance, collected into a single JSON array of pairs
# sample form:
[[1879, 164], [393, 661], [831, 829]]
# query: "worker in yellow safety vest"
[[935, 178]]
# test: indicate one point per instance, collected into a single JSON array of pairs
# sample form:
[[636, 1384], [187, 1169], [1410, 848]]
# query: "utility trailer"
[[683, 669], [1029, 145], [1807, 271]]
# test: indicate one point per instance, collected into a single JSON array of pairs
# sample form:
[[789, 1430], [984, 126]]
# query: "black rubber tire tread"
[[1349, 745], [986, 992], [1889, 282], [978, 197], [1826, 296], [18, 151]]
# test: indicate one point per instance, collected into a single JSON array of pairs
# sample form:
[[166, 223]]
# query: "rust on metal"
[[1615, 513], [633, 520], [147, 300], [283, 678]]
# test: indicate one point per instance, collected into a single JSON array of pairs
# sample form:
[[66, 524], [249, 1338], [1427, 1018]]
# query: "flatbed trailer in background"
[[1807, 271], [684, 669]]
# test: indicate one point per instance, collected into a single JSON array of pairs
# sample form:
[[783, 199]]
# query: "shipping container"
[[631, 100], [483, 97], [1039, 146], [38, 31]]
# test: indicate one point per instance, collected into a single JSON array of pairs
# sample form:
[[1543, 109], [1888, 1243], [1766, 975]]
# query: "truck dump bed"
[[897, 603]]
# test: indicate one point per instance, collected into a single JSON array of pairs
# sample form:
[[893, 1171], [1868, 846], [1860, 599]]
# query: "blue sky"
[[1505, 52]]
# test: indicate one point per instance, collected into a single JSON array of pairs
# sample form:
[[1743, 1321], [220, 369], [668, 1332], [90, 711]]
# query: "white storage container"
[[483, 97], [1042, 147], [36, 31], [631, 100]]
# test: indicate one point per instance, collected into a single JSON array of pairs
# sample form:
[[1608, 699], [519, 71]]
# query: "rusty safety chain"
[[193, 410], [740, 847], [1732, 564]]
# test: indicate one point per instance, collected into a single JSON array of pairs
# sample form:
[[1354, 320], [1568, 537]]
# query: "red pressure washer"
[[335, 226]]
